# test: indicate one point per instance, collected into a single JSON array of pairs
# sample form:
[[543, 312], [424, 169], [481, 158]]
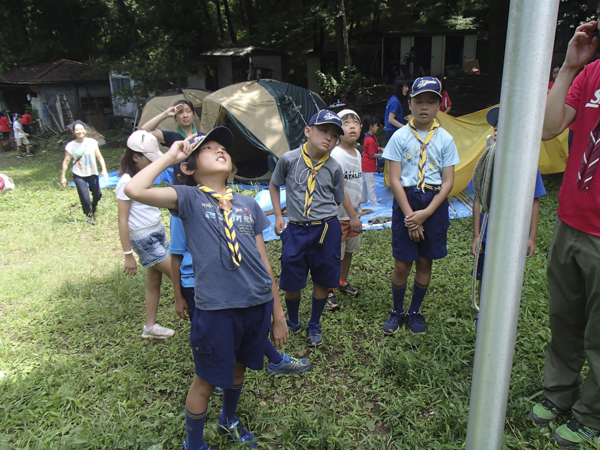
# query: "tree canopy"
[[155, 40]]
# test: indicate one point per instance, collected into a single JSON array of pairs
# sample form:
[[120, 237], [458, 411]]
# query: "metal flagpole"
[[529, 43]]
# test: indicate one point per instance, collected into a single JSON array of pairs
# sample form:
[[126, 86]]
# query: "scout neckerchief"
[[225, 206], [182, 133], [312, 177], [590, 159], [424, 144]]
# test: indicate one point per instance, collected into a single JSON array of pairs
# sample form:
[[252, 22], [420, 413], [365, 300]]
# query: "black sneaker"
[[293, 328], [545, 412], [416, 323], [28, 154], [392, 325], [348, 289], [19, 155], [332, 303]]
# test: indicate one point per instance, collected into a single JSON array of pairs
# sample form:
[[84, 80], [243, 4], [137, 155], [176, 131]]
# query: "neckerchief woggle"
[[424, 144], [312, 177], [225, 206]]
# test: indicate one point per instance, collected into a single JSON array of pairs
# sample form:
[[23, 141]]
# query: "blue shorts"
[[222, 337], [480, 263], [188, 295], [304, 248], [151, 249], [436, 229]]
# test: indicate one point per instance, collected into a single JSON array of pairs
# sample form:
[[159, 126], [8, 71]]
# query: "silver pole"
[[529, 43]]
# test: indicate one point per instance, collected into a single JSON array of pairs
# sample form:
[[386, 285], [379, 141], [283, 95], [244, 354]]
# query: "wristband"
[[128, 253]]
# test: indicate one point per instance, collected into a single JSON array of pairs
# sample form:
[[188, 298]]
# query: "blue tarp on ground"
[[460, 206]]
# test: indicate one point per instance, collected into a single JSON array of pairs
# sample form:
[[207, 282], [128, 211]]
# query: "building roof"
[[61, 71], [241, 51]]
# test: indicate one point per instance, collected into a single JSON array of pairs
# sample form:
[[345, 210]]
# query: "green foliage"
[[349, 83], [76, 373]]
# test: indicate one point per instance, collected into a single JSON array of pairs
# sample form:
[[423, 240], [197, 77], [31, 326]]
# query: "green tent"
[[267, 118]]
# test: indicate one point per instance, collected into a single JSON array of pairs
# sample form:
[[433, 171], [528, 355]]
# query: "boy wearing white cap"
[[349, 211]]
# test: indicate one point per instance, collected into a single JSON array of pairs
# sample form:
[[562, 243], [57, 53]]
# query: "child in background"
[[349, 211], [422, 157], [394, 114], [84, 151], [492, 118], [314, 188], [446, 104], [20, 136], [234, 287], [141, 230], [371, 151]]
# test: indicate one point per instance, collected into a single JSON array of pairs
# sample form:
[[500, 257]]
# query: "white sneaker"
[[157, 332]]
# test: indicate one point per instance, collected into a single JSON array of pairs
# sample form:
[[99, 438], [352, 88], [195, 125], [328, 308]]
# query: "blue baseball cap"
[[325, 116], [425, 84], [492, 116]]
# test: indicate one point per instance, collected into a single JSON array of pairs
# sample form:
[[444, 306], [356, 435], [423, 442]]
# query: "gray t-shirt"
[[292, 171], [216, 284]]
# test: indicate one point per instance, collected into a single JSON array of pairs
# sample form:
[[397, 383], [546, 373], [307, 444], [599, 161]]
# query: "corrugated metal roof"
[[63, 70], [240, 51]]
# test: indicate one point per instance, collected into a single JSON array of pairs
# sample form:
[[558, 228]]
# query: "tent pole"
[[529, 43]]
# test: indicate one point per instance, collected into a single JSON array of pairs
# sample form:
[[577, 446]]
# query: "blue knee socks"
[[194, 423], [398, 297], [418, 295], [231, 397], [317, 309], [271, 353], [293, 306]]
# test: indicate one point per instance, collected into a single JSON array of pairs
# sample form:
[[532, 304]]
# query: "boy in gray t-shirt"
[[314, 189]]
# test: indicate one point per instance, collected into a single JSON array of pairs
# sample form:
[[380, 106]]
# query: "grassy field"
[[77, 375]]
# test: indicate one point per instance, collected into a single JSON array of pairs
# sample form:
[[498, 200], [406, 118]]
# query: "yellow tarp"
[[470, 132]]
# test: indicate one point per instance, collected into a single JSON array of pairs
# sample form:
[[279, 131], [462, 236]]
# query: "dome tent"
[[267, 119], [158, 103]]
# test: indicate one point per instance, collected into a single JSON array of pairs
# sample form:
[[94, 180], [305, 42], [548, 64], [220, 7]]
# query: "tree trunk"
[[341, 35], [376, 15], [230, 22], [252, 17], [220, 20], [497, 26]]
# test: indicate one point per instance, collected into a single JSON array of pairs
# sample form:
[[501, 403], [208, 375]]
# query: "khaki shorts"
[[350, 245], [22, 141]]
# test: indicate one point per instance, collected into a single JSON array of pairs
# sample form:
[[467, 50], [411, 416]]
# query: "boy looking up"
[[349, 211], [422, 156], [314, 188]]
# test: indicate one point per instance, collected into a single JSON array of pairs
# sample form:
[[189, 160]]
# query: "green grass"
[[78, 376]]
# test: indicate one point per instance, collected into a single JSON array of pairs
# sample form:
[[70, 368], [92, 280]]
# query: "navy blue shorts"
[[436, 229], [188, 295], [220, 338], [302, 251], [480, 263]]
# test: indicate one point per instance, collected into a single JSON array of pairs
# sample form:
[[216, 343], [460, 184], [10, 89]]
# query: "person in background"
[[394, 114], [446, 104]]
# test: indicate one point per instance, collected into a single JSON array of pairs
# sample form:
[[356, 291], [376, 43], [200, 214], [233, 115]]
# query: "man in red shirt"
[[26, 122], [5, 127], [574, 256]]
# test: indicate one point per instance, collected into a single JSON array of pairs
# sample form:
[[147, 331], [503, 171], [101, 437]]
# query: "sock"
[[194, 423], [342, 282], [317, 309], [231, 397], [293, 306], [418, 296], [398, 297], [271, 353]]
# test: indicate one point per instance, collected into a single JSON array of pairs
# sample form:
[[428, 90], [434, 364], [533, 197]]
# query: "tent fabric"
[[470, 133], [267, 119], [157, 104]]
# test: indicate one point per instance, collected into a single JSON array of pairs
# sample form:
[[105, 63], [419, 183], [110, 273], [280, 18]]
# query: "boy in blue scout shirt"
[[314, 189], [234, 286], [422, 156]]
